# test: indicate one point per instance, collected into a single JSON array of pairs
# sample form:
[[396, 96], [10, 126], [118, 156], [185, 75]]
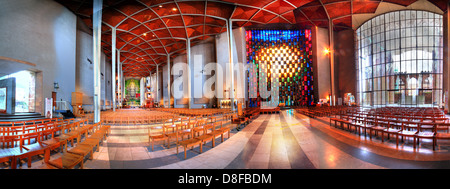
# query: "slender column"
[[331, 54], [119, 78], [157, 83], [230, 53], [188, 57], [123, 85], [113, 71], [97, 24], [168, 80], [446, 58]]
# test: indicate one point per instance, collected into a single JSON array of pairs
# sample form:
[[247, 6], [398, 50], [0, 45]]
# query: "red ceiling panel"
[[140, 30], [164, 33], [129, 7], [340, 9], [166, 9], [361, 7], [298, 3], [219, 9], [214, 21], [315, 12], [236, 24], [332, 1], [178, 32], [244, 12], [193, 20], [126, 36], [195, 31], [155, 43], [155, 24], [147, 27], [173, 21], [255, 3], [196, 7], [128, 24], [160, 50], [263, 16], [112, 17], [166, 41], [212, 30], [279, 6], [289, 16], [145, 15], [279, 20], [345, 22]]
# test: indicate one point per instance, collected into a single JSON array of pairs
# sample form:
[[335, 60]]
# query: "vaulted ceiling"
[[149, 30]]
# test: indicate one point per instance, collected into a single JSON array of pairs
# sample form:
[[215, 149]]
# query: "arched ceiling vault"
[[148, 30]]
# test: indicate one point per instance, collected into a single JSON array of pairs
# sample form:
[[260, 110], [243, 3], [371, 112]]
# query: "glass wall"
[[25, 90], [399, 59]]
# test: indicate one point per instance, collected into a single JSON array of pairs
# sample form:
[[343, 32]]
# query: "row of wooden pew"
[[401, 122], [433, 126], [139, 116], [320, 111], [27, 141], [193, 112], [197, 131], [94, 134]]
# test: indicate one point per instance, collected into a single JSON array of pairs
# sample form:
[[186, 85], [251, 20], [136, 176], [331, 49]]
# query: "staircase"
[[20, 116]]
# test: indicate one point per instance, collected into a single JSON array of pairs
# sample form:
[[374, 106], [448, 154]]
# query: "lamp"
[[56, 85], [326, 51]]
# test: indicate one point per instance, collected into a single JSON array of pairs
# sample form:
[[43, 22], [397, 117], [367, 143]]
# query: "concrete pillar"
[[331, 55], [113, 69], [188, 58], [446, 54], [119, 78], [230, 51], [157, 83], [168, 80], [97, 29]]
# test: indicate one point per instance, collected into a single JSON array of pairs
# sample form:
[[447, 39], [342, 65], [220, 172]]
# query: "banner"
[[48, 107]]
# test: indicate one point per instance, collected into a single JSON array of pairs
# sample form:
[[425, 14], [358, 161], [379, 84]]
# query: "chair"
[[424, 132], [190, 143], [9, 141], [378, 127], [406, 131], [47, 137], [67, 161], [207, 136], [30, 150], [391, 129], [442, 135], [173, 134], [356, 122], [185, 129], [153, 137], [223, 130], [366, 124]]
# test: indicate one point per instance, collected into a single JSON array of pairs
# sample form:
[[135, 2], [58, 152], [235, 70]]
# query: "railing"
[[62, 105]]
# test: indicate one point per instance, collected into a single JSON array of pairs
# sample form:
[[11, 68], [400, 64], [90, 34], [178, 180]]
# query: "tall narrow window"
[[399, 58]]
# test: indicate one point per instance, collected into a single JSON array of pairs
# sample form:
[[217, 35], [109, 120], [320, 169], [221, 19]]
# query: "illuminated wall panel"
[[286, 53]]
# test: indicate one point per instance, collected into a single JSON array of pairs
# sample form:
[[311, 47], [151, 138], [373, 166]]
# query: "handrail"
[[63, 105]]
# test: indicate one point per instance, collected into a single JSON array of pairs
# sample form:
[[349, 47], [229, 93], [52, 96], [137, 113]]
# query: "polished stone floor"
[[271, 141]]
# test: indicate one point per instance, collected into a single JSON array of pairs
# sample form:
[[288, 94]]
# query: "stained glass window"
[[399, 58], [285, 55]]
